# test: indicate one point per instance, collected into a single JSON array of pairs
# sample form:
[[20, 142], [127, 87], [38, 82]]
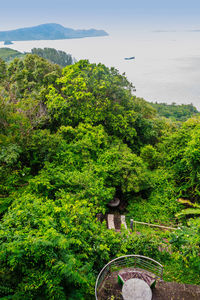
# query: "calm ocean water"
[[166, 66]]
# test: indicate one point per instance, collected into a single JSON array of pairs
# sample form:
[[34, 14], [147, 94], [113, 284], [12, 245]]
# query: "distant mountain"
[[194, 30], [49, 31]]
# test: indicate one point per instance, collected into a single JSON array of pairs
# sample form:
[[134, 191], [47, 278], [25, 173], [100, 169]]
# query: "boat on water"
[[129, 58]]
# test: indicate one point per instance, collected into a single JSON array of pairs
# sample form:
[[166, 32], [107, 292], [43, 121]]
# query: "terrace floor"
[[162, 291]]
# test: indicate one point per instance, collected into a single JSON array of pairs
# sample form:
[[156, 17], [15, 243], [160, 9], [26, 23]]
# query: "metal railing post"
[[131, 225]]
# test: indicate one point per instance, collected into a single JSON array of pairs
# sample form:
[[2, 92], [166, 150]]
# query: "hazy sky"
[[105, 14]]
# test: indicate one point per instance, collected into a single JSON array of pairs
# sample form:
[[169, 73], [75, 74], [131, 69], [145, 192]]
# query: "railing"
[[140, 262], [153, 225]]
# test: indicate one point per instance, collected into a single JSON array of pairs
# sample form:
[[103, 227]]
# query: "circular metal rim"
[[118, 258]]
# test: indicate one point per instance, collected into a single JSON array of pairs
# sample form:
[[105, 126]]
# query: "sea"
[[166, 67]]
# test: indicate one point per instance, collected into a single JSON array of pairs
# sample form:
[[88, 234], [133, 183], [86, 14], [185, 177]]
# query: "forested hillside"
[[58, 57], [8, 54], [174, 111], [55, 56], [71, 140]]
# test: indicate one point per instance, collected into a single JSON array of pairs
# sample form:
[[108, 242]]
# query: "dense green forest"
[[58, 57], [174, 111], [8, 54], [71, 140]]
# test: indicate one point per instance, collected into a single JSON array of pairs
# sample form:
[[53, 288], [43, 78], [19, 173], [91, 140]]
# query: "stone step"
[[123, 221], [115, 221], [110, 221]]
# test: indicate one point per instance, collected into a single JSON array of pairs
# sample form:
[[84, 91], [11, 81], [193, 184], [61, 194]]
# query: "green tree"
[[95, 94], [182, 156], [50, 241], [2, 70], [55, 56], [176, 112]]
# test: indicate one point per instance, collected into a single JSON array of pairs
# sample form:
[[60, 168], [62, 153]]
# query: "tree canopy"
[[71, 140], [56, 56], [95, 94], [174, 111]]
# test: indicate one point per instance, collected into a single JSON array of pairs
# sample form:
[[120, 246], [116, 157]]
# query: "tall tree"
[[55, 56]]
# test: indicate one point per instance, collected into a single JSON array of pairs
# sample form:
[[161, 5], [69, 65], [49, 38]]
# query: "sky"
[[102, 14]]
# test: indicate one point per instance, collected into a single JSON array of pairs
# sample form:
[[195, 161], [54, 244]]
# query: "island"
[[8, 42], [50, 31]]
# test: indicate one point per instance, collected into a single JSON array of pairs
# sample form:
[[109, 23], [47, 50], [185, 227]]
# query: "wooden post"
[[131, 225]]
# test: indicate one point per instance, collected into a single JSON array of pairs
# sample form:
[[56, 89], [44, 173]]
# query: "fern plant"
[[193, 210]]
